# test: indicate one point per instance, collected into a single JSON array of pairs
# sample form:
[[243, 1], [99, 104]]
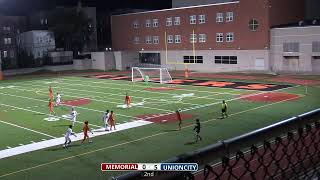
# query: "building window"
[[170, 39], [219, 37], [148, 40], [177, 21], [136, 40], [229, 16], [12, 54], [193, 19], [219, 17], [253, 24], [136, 25], [7, 41], [193, 38], [291, 47], [5, 54], [230, 37], [202, 19], [148, 23], [155, 23], [202, 38], [316, 46], [6, 28], [155, 39], [46, 21], [177, 39], [193, 59], [169, 21], [226, 60], [41, 21]]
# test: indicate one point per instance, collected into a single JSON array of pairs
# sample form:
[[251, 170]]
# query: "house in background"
[[37, 42]]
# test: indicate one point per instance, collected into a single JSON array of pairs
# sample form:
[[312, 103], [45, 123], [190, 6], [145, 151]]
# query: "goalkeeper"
[[146, 79]]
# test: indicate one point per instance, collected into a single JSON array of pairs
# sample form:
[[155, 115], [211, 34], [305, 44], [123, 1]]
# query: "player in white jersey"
[[58, 99], [73, 116], [67, 136], [105, 120]]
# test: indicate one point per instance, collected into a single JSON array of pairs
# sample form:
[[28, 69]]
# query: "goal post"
[[160, 75]]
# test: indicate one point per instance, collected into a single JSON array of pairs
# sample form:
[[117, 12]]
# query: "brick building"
[[228, 36]]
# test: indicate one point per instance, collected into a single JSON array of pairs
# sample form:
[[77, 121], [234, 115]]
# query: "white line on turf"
[[28, 110], [27, 129], [8, 147], [21, 144], [59, 141]]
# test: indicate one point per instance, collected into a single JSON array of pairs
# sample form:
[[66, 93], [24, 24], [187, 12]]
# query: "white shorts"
[[67, 138], [58, 101]]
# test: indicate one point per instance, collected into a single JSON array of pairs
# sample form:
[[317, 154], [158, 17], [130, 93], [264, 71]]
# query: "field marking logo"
[[181, 96], [51, 119], [131, 105]]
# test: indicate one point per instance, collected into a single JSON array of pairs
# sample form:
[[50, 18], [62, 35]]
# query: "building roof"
[[171, 9], [302, 23]]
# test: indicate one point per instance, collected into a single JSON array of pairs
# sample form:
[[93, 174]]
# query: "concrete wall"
[[304, 61], [82, 64], [126, 59], [103, 60], [246, 60]]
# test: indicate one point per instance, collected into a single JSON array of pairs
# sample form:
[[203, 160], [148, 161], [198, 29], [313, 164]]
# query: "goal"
[[160, 75]]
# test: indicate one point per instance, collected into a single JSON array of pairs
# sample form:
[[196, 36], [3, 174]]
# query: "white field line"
[[29, 110], [120, 144], [38, 132], [122, 94], [102, 81], [59, 141], [164, 110]]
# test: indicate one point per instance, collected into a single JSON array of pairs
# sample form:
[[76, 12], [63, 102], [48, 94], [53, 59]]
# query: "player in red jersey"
[[86, 129], [112, 121], [127, 100], [51, 105], [51, 93]]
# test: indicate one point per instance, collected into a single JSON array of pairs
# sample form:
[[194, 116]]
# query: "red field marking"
[[270, 97], [77, 102], [296, 81], [256, 86], [159, 118], [162, 89], [217, 76], [214, 84], [104, 76], [121, 77], [181, 81]]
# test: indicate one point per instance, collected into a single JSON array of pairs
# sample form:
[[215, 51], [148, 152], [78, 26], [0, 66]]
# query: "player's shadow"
[[60, 148], [170, 130], [39, 114]]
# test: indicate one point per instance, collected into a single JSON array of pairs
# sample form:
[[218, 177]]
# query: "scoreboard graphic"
[[149, 167]]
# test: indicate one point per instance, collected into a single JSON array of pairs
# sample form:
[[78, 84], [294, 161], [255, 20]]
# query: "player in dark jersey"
[[224, 108], [197, 129]]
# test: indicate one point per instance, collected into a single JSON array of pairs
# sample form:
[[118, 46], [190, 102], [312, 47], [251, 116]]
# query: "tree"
[[72, 28]]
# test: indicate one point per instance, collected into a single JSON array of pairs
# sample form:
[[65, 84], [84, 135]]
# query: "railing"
[[289, 149]]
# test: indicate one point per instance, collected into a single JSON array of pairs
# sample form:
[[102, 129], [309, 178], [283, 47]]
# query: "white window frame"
[[135, 24], [177, 21], [5, 54], [230, 37], [193, 38], [193, 19], [202, 38], [155, 39], [229, 16], [136, 40], [177, 39], [219, 37], [202, 19], [170, 39], [219, 17], [155, 23], [148, 39], [148, 23], [169, 21]]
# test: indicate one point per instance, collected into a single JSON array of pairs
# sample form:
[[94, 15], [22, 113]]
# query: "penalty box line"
[[129, 142], [31, 130]]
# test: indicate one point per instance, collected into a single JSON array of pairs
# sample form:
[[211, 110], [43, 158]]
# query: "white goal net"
[[160, 75]]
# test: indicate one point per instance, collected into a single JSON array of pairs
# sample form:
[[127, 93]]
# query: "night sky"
[[23, 7]]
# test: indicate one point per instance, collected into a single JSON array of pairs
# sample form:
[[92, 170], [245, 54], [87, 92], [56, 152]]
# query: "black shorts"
[[224, 110]]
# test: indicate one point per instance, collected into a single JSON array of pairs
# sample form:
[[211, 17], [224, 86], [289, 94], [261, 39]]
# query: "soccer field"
[[31, 139]]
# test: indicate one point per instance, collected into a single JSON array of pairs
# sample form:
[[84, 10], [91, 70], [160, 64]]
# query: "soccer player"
[[51, 93], [105, 120], [224, 108], [112, 121], [58, 99], [85, 132], [73, 116], [127, 100], [179, 118], [67, 136], [51, 105], [197, 129]]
